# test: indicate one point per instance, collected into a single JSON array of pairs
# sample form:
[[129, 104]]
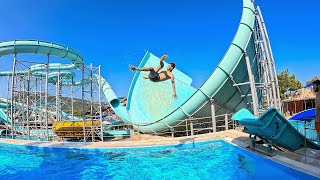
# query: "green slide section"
[[35, 108], [40, 47], [151, 104], [272, 125], [62, 70], [4, 118]]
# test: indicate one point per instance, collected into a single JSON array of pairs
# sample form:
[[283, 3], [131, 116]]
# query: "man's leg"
[[140, 69], [159, 67], [161, 63]]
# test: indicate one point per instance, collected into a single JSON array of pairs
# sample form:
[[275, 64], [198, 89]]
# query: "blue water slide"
[[151, 104], [307, 115], [273, 126], [4, 118]]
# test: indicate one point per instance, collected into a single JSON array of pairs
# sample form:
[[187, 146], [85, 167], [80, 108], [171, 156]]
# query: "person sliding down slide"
[[155, 76]]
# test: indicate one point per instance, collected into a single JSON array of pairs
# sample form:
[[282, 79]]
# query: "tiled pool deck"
[[309, 164]]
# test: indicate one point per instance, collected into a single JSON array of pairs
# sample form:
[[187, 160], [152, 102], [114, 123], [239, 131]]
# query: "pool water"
[[209, 160]]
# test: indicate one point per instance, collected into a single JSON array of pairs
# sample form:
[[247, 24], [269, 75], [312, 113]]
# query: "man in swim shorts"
[[155, 76], [316, 88]]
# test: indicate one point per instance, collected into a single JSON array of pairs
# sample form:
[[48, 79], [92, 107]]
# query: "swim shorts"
[[154, 76]]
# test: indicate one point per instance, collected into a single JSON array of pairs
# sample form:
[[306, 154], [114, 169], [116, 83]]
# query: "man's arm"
[[173, 86]]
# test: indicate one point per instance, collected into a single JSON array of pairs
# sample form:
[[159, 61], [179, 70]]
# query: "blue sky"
[[194, 33]]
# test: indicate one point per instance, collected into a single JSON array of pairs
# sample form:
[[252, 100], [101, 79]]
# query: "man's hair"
[[317, 81], [173, 65]]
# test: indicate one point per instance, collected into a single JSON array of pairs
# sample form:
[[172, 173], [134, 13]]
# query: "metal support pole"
[[12, 95], [28, 105], [272, 75], [37, 120], [187, 130], [191, 128], [226, 121], [252, 87], [91, 102], [266, 78], [7, 113], [58, 97], [268, 92], [46, 96], [100, 105], [271, 55], [72, 96], [82, 100], [213, 116]]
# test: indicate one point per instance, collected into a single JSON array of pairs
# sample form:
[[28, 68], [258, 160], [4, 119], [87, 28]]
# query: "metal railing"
[[186, 127]]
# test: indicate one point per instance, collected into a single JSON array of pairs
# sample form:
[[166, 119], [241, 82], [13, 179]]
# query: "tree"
[[287, 83], [313, 79]]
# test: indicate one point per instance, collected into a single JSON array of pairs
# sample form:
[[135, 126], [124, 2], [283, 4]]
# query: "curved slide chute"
[[62, 70], [35, 108], [151, 104], [273, 126], [4, 118], [40, 47]]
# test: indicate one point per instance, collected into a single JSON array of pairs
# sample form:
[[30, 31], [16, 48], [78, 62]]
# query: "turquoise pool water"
[[210, 160]]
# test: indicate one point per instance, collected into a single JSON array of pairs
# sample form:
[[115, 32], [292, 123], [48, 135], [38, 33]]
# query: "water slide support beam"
[[12, 94], [72, 96], [8, 93], [226, 122], [58, 97], [82, 101], [267, 53], [252, 87], [28, 104], [46, 95], [213, 116], [91, 101], [261, 60], [272, 58], [100, 106]]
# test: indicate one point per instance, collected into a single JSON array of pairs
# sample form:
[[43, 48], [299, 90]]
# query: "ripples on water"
[[213, 160]]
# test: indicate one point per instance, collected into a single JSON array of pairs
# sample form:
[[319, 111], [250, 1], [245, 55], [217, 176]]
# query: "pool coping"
[[236, 138]]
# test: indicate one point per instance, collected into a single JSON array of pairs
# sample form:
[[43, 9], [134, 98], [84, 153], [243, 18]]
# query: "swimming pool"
[[209, 160]]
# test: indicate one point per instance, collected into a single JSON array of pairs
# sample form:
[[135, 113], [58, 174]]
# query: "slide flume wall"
[[219, 87]]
